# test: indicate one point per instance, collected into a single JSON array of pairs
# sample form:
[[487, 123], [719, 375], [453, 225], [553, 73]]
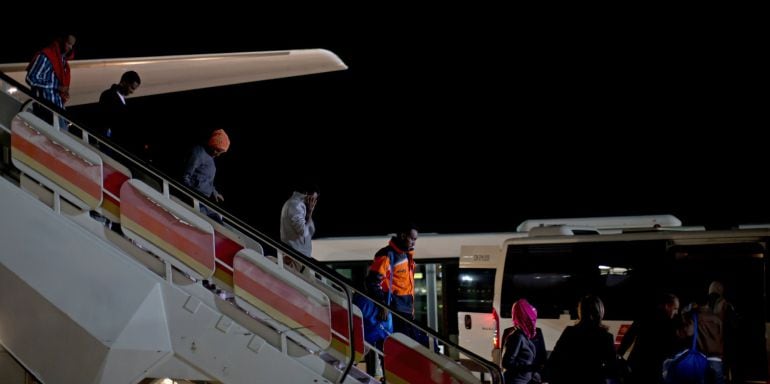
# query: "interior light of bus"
[[418, 275], [467, 278], [604, 267]]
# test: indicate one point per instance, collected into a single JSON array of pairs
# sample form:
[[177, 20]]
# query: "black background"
[[462, 120]]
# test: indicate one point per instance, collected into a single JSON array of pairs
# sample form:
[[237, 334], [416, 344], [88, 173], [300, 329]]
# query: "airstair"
[[109, 274]]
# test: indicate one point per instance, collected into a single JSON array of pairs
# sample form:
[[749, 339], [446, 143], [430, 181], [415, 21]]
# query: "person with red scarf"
[[48, 74]]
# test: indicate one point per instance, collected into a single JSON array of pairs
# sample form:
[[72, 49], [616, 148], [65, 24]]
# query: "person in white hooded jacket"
[[297, 226]]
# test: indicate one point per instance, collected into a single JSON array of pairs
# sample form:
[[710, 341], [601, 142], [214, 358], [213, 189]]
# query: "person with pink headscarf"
[[520, 351]]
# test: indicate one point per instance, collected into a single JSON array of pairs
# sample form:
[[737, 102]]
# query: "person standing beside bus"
[[710, 340], [653, 337], [725, 310], [585, 352], [520, 350], [392, 271]]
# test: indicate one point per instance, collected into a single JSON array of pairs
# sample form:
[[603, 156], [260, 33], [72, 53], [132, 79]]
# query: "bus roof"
[[429, 245], [610, 222]]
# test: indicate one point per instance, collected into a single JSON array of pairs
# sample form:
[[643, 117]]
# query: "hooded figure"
[[520, 351]]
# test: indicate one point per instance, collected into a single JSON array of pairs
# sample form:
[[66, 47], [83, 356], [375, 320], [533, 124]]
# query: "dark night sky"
[[549, 119]]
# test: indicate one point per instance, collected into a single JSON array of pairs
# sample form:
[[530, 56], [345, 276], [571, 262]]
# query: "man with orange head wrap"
[[200, 171]]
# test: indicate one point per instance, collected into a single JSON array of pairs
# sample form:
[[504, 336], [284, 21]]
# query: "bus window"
[[550, 290], [554, 277], [475, 290]]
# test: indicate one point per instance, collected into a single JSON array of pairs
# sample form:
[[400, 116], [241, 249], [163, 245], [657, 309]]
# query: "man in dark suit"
[[115, 120]]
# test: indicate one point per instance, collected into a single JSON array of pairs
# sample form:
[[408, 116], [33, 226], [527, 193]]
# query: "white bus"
[[626, 262]]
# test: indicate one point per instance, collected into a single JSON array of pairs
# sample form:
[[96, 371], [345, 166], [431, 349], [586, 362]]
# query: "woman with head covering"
[[520, 351]]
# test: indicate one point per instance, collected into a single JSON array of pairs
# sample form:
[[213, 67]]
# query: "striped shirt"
[[43, 80]]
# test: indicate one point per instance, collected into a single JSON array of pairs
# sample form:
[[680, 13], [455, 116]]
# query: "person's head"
[[670, 305], [407, 237], [524, 317], [218, 143], [716, 293], [311, 192], [717, 288], [590, 311], [129, 83], [66, 43]]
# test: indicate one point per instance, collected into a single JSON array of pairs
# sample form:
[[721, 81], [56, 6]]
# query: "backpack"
[[375, 330], [688, 366]]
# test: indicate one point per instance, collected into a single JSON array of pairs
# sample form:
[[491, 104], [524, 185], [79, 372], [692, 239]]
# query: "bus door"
[[476, 319]]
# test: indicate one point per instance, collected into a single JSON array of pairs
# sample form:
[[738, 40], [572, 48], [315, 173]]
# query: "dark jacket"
[[710, 339], [654, 340], [200, 171], [518, 358], [115, 121], [583, 354]]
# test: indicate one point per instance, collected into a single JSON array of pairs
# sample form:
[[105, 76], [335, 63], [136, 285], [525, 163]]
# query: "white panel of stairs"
[[44, 338], [74, 308], [84, 279], [144, 341], [65, 290], [224, 349]]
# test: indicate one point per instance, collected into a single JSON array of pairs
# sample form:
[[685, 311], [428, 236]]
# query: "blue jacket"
[[200, 171]]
